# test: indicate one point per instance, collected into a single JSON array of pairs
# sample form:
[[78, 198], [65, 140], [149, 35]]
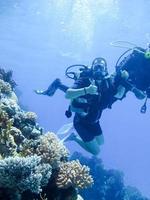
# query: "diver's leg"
[[100, 139], [92, 147], [86, 131], [56, 84]]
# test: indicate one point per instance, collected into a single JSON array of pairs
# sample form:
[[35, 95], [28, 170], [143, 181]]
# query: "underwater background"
[[39, 39]]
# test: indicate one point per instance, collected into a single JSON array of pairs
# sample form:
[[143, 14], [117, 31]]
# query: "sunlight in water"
[[81, 24], [78, 18], [75, 22]]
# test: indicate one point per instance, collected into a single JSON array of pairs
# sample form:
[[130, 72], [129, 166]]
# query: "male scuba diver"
[[92, 92]]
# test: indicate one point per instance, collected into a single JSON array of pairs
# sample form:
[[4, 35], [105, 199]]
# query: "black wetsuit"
[[88, 126]]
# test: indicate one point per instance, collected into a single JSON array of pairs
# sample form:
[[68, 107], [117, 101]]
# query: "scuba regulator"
[[75, 75]]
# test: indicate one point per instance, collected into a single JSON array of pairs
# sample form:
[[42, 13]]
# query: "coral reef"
[[52, 150], [20, 174], [5, 87], [30, 117], [108, 184], [48, 147], [35, 165], [7, 77], [73, 174], [31, 161]]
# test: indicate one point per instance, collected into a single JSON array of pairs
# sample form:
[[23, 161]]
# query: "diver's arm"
[[75, 93], [72, 93]]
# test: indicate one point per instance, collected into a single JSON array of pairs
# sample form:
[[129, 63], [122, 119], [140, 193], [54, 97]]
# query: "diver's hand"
[[124, 74], [92, 89], [38, 91]]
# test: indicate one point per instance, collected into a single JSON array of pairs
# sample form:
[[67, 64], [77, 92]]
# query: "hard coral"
[[8, 146], [5, 87], [7, 77], [26, 122], [10, 106], [48, 147], [17, 134], [108, 184], [3, 118], [28, 156], [73, 174], [51, 149], [21, 174], [7, 140], [30, 117]]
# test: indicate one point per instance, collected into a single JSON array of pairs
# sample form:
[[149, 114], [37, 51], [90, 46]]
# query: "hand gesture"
[[92, 88]]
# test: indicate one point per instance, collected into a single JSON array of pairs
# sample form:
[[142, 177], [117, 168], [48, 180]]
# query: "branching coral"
[[49, 147], [21, 174], [73, 174], [28, 156]]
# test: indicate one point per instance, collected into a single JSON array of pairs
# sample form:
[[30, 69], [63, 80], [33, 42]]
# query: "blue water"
[[40, 38]]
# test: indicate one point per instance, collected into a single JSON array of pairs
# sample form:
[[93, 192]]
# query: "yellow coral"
[[74, 174]]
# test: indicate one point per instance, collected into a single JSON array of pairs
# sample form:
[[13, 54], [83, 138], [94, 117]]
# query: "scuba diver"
[[137, 64], [86, 101], [93, 91]]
